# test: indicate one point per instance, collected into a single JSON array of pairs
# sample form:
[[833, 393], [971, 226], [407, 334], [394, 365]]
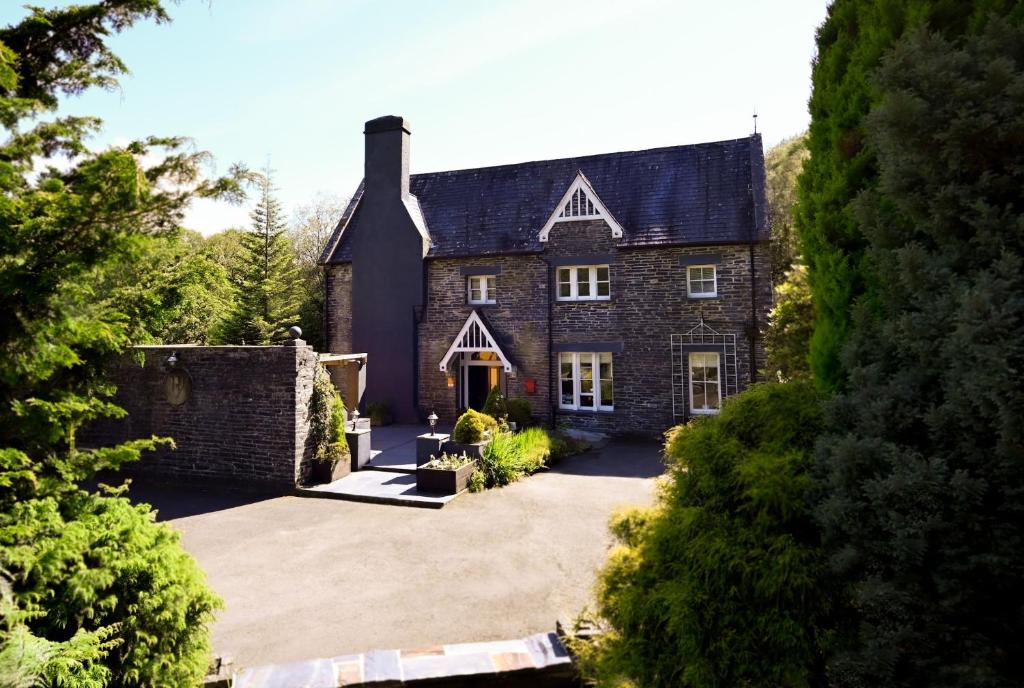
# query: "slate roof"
[[708, 193]]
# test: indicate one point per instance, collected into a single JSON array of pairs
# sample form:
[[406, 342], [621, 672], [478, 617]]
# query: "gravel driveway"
[[307, 577]]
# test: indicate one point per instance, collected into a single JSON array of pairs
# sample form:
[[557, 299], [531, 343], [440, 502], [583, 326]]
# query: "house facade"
[[619, 293]]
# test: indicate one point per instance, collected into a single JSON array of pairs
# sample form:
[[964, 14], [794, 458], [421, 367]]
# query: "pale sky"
[[482, 82]]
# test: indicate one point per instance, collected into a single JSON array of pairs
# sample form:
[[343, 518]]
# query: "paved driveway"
[[307, 577]]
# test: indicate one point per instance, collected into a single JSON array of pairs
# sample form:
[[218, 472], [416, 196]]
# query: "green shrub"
[[495, 406], [97, 564], [477, 481], [512, 455], [519, 412], [724, 582], [471, 427], [535, 449], [563, 446], [379, 412], [502, 460], [327, 419]]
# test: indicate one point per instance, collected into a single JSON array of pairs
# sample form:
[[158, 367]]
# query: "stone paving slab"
[[495, 661], [379, 487]]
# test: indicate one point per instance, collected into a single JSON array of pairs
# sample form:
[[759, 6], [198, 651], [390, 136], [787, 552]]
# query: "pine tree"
[[923, 473], [268, 281]]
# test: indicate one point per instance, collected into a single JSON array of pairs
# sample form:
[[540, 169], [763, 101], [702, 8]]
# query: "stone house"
[[620, 293]]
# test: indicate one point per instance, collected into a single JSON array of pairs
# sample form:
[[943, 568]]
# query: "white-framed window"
[[584, 283], [701, 281], [483, 289], [585, 381], [705, 383]]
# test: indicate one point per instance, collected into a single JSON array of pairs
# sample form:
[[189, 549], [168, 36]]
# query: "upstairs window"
[[701, 281], [584, 283], [585, 381], [482, 289]]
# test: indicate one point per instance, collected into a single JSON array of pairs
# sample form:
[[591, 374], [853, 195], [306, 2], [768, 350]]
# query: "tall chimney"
[[387, 156]]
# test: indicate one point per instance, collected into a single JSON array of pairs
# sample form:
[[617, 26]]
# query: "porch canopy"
[[476, 338]]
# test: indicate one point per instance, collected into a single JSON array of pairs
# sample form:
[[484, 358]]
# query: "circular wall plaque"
[[177, 387]]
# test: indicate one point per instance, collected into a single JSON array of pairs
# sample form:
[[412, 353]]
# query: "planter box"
[[473, 451], [429, 445], [329, 471], [444, 481]]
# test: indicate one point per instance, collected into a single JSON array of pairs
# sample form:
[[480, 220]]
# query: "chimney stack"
[[387, 156]]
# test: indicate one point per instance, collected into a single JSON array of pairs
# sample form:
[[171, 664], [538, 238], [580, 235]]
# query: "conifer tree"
[[843, 162], [923, 472], [93, 592], [268, 281]]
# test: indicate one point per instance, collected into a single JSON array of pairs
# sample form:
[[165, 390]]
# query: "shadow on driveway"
[[617, 459], [173, 501]]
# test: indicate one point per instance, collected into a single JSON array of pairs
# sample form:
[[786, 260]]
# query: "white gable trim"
[[473, 337], [594, 209]]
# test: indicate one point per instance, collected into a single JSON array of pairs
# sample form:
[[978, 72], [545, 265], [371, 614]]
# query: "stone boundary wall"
[[242, 425]]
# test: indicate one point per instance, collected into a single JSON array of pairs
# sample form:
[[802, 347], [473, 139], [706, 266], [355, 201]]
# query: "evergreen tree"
[[843, 162], [783, 163], [267, 301], [724, 582], [790, 324], [93, 592], [923, 473]]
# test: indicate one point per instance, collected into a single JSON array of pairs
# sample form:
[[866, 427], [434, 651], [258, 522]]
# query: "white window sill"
[[702, 296]]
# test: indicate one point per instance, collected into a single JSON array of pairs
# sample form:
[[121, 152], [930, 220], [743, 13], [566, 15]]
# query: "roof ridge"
[[657, 149]]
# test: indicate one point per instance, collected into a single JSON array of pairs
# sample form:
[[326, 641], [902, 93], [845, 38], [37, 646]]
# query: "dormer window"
[[482, 289], [584, 283], [701, 281]]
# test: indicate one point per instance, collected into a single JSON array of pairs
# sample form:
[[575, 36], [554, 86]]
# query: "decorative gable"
[[474, 337], [580, 202]]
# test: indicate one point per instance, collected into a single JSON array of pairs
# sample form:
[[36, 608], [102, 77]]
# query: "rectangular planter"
[[443, 481], [329, 471], [473, 451]]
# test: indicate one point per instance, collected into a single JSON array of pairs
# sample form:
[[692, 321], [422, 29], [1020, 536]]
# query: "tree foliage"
[[843, 162], [312, 225], [267, 299], [790, 324], [923, 494], [783, 163], [724, 582], [95, 592]]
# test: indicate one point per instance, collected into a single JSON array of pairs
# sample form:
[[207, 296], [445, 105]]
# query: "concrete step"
[[377, 487]]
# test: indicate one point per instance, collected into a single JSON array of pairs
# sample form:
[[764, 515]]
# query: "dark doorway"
[[479, 386]]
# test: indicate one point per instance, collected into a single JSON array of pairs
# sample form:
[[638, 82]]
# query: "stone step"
[[377, 487]]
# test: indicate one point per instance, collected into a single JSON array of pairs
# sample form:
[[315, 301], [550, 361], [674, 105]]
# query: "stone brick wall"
[[518, 320], [243, 426], [338, 280], [648, 305]]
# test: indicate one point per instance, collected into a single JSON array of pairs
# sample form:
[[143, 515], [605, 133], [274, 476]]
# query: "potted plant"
[[472, 432], [379, 412], [447, 474]]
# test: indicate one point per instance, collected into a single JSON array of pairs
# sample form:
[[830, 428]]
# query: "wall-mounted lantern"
[[451, 381]]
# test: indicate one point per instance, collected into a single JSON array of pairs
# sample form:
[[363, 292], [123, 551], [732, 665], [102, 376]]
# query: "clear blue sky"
[[483, 82]]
